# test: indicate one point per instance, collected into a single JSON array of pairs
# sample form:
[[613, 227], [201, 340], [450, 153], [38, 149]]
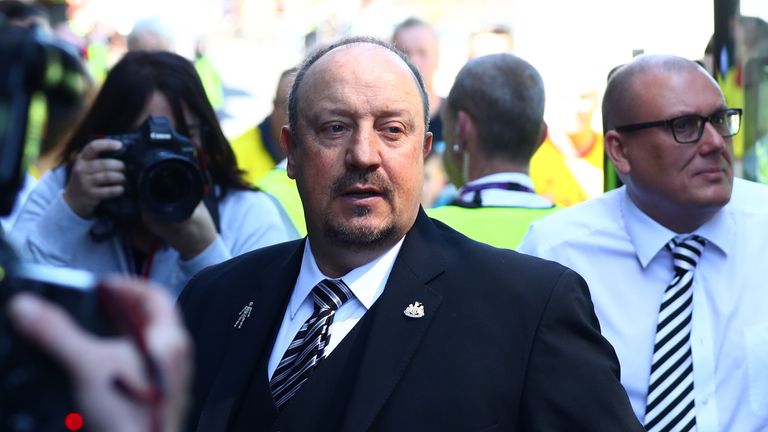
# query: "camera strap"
[[144, 267]]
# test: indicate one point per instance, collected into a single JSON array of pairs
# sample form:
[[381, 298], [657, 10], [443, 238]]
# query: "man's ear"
[[466, 127], [288, 144], [427, 145], [616, 151]]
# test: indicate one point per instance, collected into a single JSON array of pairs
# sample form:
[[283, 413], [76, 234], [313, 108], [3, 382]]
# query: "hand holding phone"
[[136, 380]]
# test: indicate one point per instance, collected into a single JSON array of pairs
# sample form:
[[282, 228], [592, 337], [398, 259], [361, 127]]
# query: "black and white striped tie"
[[670, 405], [306, 349]]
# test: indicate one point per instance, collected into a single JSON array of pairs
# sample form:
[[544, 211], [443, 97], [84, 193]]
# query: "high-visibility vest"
[[252, 156], [502, 227], [277, 183]]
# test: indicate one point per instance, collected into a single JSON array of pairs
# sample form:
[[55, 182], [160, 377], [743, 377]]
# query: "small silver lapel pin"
[[414, 310], [244, 313]]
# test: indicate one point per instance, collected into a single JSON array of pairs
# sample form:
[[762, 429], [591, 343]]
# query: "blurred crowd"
[[162, 168]]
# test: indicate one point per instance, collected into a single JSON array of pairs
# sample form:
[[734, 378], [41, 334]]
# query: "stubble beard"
[[360, 236], [361, 232]]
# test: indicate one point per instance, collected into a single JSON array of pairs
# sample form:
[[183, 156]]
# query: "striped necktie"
[[670, 403], [306, 350]]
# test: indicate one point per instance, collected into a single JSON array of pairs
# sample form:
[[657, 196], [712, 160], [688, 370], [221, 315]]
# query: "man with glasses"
[[673, 258]]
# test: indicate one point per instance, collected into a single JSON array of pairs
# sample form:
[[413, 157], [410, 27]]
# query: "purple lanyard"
[[509, 186]]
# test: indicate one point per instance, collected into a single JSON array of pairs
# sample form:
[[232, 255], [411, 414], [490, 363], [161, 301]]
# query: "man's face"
[[358, 153], [664, 174], [420, 45]]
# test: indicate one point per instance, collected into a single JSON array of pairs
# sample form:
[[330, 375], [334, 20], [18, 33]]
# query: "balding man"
[[494, 122], [382, 319], [674, 259]]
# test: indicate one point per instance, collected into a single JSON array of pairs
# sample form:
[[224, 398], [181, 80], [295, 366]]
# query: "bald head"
[[623, 90], [314, 61]]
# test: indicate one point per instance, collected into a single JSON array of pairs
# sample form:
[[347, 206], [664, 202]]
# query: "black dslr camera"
[[35, 393], [162, 175]]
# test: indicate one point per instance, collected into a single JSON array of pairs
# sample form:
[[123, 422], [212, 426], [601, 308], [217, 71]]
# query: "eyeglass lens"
[[690, 128]]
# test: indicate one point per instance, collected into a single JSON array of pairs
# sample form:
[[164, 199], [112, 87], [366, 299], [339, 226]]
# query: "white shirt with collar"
[[499, 197], [620, 252], [366, 282]]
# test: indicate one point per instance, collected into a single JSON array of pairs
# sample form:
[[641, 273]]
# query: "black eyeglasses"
[[689, 128]]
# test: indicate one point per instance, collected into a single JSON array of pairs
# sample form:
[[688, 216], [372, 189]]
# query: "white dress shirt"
[[366, 282], [620, 252]]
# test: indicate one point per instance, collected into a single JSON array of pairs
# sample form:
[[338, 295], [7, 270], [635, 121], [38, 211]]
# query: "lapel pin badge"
[[244, 313], [414, 310]]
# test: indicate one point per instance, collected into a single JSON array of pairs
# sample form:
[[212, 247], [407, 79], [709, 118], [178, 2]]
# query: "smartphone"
[[35, 393]]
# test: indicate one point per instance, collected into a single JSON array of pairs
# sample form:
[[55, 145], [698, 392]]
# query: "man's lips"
[[360, 192], [711, 170]]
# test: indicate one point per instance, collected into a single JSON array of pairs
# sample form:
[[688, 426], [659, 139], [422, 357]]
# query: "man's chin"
[[361, 235]]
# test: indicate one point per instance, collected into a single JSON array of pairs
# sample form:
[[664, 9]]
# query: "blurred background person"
[[493, 122], [154, 34], [261, 156], [151, 34], [494, 39], [418, 40], [258, 148], [61, 223], [568, 167]]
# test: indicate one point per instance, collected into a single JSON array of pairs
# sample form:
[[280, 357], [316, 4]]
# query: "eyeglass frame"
[[668, 123]]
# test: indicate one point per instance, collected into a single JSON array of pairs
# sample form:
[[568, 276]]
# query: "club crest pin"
[[245, 312], [414, 310]]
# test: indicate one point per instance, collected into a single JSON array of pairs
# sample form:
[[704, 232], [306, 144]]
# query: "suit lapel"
[[251, 342], [394, 337]]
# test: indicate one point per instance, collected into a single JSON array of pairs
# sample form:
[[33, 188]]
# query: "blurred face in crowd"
[[419, 43], [679, 185], [358, 153]]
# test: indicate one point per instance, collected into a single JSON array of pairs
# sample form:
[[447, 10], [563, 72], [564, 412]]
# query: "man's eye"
[[686, 124], [336, 128]]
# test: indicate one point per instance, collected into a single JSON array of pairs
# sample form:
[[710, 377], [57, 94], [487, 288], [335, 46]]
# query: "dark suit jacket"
[[507, 342]]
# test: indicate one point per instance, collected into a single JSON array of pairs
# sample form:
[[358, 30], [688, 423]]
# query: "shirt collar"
[[505, 198], [519, 178], [366, 282], [649, 237]]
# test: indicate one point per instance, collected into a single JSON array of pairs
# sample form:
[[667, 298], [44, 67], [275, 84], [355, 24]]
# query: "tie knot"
[[331, 294], [686, 252]]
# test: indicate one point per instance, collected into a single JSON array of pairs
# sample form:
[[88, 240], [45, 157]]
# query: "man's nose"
[[364, 150], [712, 140]]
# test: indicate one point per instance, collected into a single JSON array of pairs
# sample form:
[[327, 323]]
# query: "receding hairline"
[[329, 56], [623, 83]]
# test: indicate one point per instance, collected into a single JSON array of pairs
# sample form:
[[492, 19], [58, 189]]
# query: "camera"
[[162, 175], [35, 71], [35, 392]]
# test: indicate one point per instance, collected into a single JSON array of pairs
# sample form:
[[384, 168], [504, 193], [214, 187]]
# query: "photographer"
[[69, 221]]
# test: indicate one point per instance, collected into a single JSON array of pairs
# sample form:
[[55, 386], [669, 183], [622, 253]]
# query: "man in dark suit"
[[435, 331]]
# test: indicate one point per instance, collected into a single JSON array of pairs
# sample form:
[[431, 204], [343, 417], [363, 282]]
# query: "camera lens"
[[171, 188]]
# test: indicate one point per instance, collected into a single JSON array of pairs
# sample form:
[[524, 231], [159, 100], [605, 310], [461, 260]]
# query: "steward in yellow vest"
[[493, 122]]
